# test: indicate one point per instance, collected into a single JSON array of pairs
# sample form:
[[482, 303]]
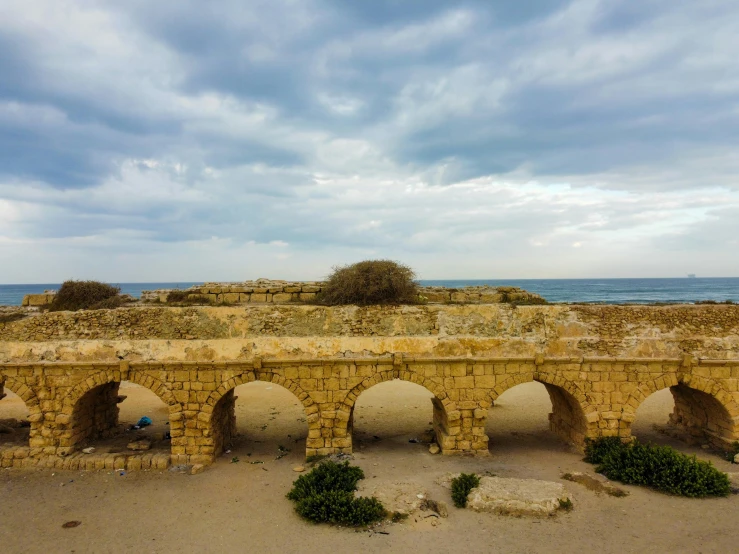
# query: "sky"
[[229, 140]]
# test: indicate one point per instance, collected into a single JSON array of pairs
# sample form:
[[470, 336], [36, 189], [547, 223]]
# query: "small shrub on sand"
[[85, 295], [342, 508], [461, 487], [596, 450], [370, 282], [326, 495], [659, 467]]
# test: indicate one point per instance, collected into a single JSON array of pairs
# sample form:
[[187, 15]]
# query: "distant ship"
[[691, 275]]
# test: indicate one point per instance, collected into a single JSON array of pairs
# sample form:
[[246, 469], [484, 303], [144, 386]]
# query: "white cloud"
[[279, 139]]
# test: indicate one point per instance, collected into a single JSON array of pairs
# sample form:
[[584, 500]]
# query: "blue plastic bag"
[[143, 422]]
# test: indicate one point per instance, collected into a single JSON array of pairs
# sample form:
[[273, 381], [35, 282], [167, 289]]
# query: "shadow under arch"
[[90, 410], [446, 416], [221, 406], [31, 401], [704, 410], [572, 418]]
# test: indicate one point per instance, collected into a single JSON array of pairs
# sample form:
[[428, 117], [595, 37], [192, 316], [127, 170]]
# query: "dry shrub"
[[109, 303], [370, 282], [187, 298], [11, 317], [85, 295]]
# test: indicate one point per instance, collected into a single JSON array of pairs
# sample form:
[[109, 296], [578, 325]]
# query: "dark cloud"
[[323, 122]]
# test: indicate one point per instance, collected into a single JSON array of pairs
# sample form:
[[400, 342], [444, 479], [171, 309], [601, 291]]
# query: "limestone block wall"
[[72, 404], [38, 299], [95, 416], [598, 363], [255, 292], [284, 292]]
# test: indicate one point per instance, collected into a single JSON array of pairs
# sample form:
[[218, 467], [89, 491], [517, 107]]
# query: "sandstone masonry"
[[598, 363]]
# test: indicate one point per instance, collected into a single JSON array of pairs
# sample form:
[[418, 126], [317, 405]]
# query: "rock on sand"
[[520, 497]]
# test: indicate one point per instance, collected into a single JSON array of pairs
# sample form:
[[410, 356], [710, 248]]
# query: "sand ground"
[[240, 506]]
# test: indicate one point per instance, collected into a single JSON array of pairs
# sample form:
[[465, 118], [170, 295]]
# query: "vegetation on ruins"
[[326, 495], [513, 296], [11, 317], [660, 467], [461, 487], [370, 282], [86, 295], [187, 297], [733, 452]]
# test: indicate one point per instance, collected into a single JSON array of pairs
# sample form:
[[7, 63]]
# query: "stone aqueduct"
[[598, 364]]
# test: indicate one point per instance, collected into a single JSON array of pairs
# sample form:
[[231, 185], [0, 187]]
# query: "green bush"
[[732, 453], [370, 282], [326, 495], [596, 450], [659, 467], [84, 295], [328, 476], [340, 507], [461, 487]]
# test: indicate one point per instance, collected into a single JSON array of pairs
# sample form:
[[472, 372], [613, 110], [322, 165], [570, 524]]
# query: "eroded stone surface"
[[598, 363], [518, 497], [399, 497]]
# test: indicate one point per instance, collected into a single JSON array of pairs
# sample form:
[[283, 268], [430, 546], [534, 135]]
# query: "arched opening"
[[680, 415], [113, 418], [535, 416], [15, 427], [260, 421], [395, 414]]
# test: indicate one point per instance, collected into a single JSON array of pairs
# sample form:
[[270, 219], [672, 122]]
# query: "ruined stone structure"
[[265, 291], [598, 363]]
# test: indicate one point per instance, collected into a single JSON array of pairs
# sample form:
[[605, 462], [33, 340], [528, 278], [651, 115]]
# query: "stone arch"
[[704, 408], [108, 376], [33, 405], [573, 418], [251, 376], [90, 409], [446, 419], [219, 408], [28, 396], [411, 376]]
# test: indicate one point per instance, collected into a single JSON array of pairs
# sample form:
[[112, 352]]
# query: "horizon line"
[[686, 277]]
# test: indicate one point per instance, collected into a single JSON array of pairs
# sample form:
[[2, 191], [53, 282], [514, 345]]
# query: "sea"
[[600, 291]]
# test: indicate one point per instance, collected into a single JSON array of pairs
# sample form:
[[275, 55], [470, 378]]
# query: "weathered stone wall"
[[38, 299], [255, 292], [598, 363], [284, 292], [497, 330]]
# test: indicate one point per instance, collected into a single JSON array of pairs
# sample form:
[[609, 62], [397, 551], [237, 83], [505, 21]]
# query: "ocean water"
[[12, 295], [607, 291]]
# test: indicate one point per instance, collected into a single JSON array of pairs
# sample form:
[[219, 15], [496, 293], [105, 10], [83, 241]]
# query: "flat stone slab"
[[519, 497], [403, 498]]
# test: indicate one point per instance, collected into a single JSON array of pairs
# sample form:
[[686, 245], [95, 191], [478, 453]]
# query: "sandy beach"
[[239, 503]]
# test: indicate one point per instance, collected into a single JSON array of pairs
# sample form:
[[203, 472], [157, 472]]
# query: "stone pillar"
[[222, 429], [461, 431], [568, 421]]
